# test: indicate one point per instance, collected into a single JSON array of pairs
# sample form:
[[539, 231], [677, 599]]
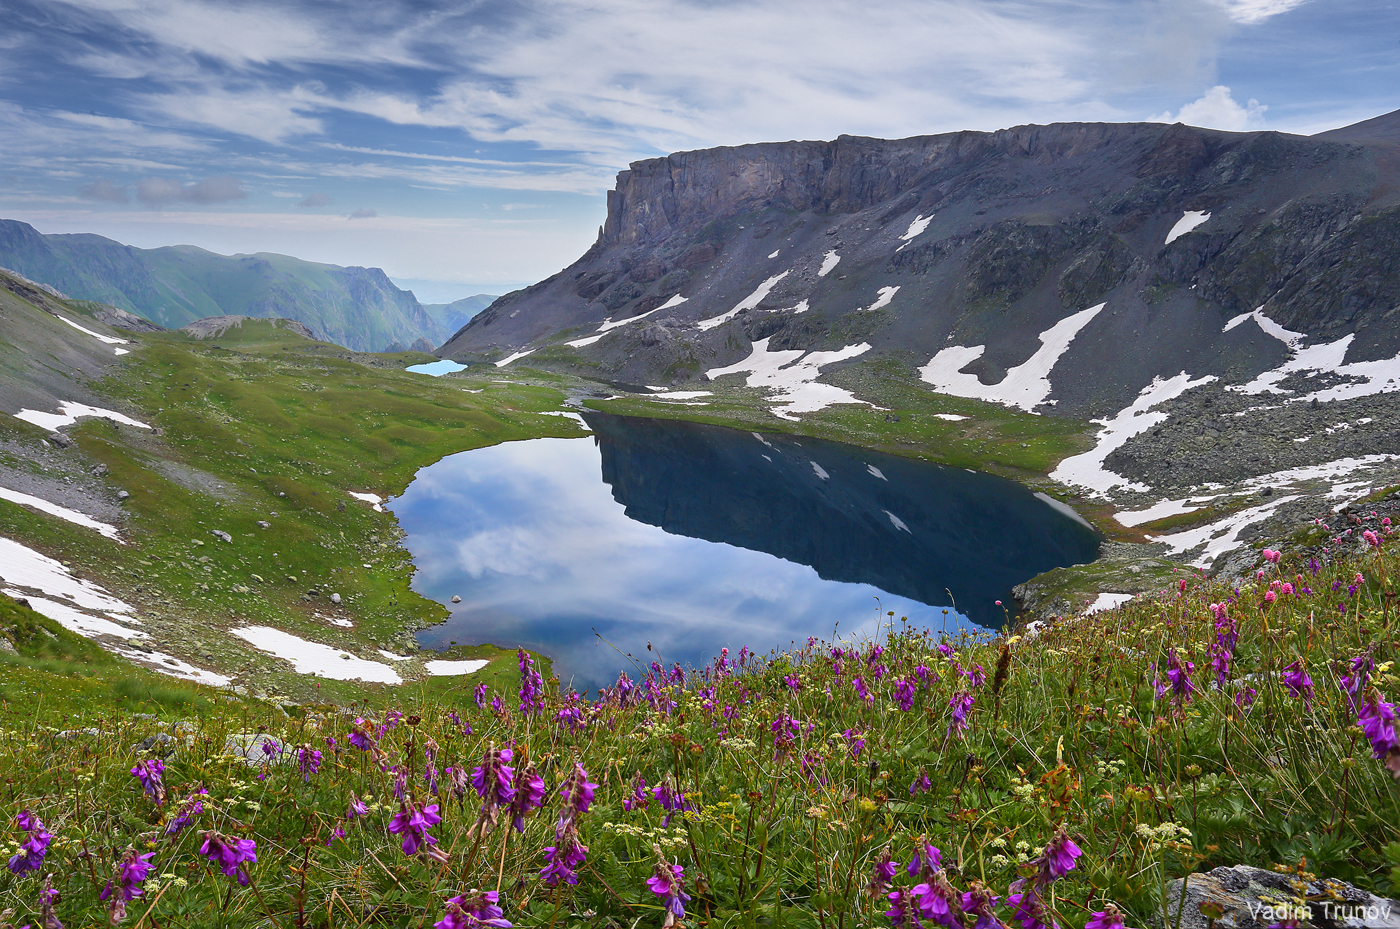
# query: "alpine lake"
[[662, 541]]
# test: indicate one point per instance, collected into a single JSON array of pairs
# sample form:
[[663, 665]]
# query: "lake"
[[668, 540]]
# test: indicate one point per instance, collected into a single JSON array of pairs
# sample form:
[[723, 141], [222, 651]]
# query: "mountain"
[[1115, 254], [355, 307], [453, 316]]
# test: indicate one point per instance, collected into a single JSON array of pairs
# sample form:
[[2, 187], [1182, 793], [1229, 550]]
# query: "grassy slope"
[[1067, 731], [263, 422]]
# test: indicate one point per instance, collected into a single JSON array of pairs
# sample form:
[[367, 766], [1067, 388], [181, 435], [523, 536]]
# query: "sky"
[[468, 147]]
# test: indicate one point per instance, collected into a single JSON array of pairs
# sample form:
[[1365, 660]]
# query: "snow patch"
[[568, 415], [1107, 602], [1087, 470], [392, 657], [374, 500], [609, 324], [917, 227], [1372, 377], [950, 417], [69, 413], [1188, 221], [791, 375], [1025, 386], [681, 395], [168, 664], [877, 472], [748, 303], [1222, 535], [1286, 336], [24, 567], [775, 253], [802, 307], [517, 356], [829, 262], [315, 658], [821, 472], [1159, 510], [580, 343], [62, 512], [75, 620], [896, 521], [101, 338], [882, 299], [443, 668]]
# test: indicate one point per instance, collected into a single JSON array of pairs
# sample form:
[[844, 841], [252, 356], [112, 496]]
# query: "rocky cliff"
[[984, 241]]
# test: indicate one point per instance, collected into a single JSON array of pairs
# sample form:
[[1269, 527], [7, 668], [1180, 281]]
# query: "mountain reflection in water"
[[700, 537]]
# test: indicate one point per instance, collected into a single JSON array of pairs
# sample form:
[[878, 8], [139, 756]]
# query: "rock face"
[[1253, 899], [215, 326], [986, 241], [359, 308]]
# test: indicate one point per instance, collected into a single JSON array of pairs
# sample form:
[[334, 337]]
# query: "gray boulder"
[[1252, 898]]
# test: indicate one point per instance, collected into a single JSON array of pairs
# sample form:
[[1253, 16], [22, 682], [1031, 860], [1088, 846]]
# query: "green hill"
[[356, 307]]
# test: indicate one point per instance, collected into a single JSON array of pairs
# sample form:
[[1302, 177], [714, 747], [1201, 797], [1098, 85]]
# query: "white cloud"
[[1217, 109], [1256, 11]]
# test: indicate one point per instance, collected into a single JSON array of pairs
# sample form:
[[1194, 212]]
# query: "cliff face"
[[985, 241]]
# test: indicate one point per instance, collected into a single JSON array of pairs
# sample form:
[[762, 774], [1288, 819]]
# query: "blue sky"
[[468, 147]]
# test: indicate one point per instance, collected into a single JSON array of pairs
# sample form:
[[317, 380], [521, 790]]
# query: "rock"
[[335, 598], [67, 734], [248, 748], [221, 535], [123, 495], [264, 524], [456, 599], [98, 470], [59, 439], [1253, 898], [159, 744], [7, 646], [257, 578]]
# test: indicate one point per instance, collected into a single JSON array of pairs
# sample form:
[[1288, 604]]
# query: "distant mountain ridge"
[[359, 308], [982, 244]]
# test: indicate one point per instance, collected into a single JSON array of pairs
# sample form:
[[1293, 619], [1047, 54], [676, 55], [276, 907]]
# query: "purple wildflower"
[[1107, 918], [638, 799], [479, 695], [356, 808], [904, 694], [531, 684], [668, 882], [1354, 684], [937, 901], [1299, 682], [492, 778], [189, 808], [927, 862], [149, 773], [230, 854], [921, 784], [1029, 908], [901, 911], [31, 854], [1377, 721], [671, 798], [1059, 856], [470, 912], [961, 704], [309, 760], [413, 822], [131, 871], [577, 790], [854, 743], [529, 794], [885, 870], [980, 902], [563, 858]]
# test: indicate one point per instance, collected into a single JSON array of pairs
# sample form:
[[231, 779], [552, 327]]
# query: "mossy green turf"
[[257, 422], [1067, 731]]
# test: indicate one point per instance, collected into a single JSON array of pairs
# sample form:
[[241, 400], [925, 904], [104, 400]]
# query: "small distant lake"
[[691, 538], [437, 368]]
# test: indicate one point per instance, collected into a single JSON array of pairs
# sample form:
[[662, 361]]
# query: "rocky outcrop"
[[215, 326], [1252, 898], [981, 239]]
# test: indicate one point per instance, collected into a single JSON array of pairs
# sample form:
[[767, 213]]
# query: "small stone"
[[456, 599], [122, 495], [59, 440], [335, 598], [264, 524], [221, 535], [257, 578]]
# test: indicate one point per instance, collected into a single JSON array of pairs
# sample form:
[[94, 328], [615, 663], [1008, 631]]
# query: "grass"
[[257, 426], [800, 772]]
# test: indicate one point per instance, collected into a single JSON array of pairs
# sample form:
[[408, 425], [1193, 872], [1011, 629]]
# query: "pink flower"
[[413, 823]]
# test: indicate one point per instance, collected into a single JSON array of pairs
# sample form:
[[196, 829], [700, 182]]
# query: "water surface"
[[691, 538]]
